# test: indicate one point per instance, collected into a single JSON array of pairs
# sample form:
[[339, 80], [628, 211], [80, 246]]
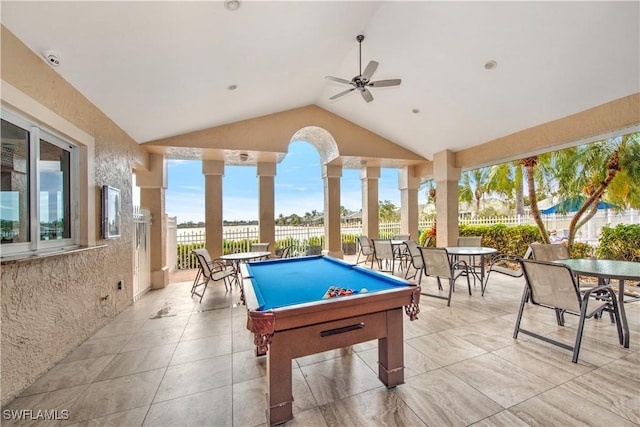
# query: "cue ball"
[[363, 290]]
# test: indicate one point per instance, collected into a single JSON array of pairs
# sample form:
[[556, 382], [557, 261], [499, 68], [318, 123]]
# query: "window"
[[38, 192]]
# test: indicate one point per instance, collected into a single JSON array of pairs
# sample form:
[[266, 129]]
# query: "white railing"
[[141, 253], [302, 238]]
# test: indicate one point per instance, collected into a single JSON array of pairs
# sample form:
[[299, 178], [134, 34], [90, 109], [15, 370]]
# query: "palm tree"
[[507, 179], [473, 186]]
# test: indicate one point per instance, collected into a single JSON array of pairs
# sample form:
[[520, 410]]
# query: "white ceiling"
[[160, 68]]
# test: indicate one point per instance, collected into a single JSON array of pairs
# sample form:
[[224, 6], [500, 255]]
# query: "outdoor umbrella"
[[572, 205]]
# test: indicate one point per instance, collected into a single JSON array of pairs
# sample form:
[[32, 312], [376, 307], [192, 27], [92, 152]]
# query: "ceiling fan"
[[361, 81]]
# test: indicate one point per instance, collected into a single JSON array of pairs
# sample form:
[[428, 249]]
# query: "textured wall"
[[51, 305]]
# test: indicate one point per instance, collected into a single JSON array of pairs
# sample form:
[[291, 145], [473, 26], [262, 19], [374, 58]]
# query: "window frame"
[[38, 133]]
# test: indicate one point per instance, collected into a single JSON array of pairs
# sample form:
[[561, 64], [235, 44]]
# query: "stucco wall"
[[50, 305]]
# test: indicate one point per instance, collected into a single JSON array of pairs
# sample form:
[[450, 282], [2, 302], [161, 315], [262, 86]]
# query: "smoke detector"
[[52, 57]]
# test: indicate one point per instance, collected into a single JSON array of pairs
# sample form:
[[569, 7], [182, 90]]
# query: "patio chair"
[[402, 253], [470, 241], [549, 251], [260, 247], [366, 248], [554, 286], [506, 264], [286, 252], [438, 264], [415, 260], [210, 270], [383, 252]]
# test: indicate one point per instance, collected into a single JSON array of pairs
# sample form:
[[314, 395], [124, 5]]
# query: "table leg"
[[623, 315], [391, 351], [279, 386]]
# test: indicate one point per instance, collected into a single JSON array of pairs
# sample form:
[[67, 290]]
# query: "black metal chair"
[[554, 286], [210, 270], [506, 264], [415, 260], [438, 263]]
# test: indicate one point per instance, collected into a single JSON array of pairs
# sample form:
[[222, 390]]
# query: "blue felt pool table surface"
[[292, 281]]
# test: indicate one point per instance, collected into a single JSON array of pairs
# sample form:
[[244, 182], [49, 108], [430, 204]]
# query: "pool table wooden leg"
[[391, 351], [279, 383]]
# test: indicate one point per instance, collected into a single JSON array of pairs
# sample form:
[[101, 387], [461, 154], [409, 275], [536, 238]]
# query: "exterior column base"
[[335, 254], [160, 278]]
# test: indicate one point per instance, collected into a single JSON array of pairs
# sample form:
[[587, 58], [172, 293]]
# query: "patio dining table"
[[606, 269], [237, 258], [473, 251]]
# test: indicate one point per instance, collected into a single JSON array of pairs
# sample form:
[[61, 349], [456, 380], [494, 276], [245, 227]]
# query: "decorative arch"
[[321, 139]]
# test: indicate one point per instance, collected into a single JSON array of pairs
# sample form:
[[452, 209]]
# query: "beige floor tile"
[[206, 327], [309, 418], [116, 395], [544, 360], [247, 366], [443, 348], [615, 386], [372, 408], [208, 408], [65, 375], [249, 402], [97, 348], [194, 377], [415, 363], [560, 407], [165, 322], [503, 382], [156, 338], [130, 418], [24, 411], [115, 329], [203, 348], [338, 378], [501, 419], [137, 361], [441, 399]]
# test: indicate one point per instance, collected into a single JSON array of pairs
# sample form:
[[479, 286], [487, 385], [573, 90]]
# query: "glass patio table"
[[473, 251], [606, 269]]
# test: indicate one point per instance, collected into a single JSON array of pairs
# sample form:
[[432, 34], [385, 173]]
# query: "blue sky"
[[298, 187]]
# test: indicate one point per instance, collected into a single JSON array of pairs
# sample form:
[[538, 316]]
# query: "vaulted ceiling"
[[160, 69]]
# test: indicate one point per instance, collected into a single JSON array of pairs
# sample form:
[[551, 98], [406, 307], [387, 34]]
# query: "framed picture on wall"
[[111, 204]]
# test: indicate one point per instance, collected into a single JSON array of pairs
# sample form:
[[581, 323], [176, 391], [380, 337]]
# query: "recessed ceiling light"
[[232, 87], [490, 65], [232, 5], [244, 156], [415, 111]]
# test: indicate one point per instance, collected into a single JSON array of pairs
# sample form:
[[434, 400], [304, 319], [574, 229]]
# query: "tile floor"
[[170, 361]]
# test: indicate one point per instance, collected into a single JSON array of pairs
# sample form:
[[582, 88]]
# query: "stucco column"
[[153, 184], [213, 171], [333, 239], [408, 185], [447, 176], [266, 172], [369, 177]]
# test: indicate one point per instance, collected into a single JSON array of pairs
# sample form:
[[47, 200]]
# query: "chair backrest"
[[286, 252], [549, 252], [365, 245], [259, 247], [402, 237], [204, 260], [414, 252], [383, 249], [436, 262], [552, 285], [470, 241]]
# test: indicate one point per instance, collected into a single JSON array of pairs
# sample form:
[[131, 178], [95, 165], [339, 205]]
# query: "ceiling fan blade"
[[371, 68], [366, 95], [338, 95], [339, 80], [384, 83]]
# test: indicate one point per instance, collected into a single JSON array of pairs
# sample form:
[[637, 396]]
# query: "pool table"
[[291, 317]]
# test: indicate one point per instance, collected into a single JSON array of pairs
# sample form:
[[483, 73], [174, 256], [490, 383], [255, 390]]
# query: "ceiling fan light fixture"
[[490, 65], [232, 5]]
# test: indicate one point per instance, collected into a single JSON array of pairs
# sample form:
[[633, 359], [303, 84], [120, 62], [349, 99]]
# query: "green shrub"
[[512, 240], [620, 243], [581, 250]]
